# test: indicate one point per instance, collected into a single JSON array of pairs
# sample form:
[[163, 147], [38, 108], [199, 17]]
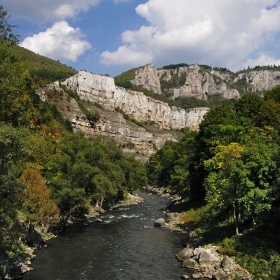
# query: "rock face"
[[100, 95], [102, 89], [260, 80], [148, 78], [192, 82]]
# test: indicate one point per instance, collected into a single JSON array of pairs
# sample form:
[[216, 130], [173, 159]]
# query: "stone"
[[185, 276], [197, 275], [159, 222], [190, 263], [209, 271], [219, 275], [206, 258], [226, 263], [186, 253]]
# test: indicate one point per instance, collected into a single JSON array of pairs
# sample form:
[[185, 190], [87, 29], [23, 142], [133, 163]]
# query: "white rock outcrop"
[[260, 80], [198, 83], [102, 89], [147, 77]]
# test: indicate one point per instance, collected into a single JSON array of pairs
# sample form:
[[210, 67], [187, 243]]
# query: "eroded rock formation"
[[192, 81], [116, 103], [260, 80]]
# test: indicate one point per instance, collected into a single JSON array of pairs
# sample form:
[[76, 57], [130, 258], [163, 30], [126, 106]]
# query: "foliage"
[[123, 80], [42, 69], [12, 149], [241, 85], [6, 34], [273, 94], [248, 105], [174, 66], [37, 203]]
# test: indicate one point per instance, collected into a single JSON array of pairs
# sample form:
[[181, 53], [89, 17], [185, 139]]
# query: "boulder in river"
[[159, 222]]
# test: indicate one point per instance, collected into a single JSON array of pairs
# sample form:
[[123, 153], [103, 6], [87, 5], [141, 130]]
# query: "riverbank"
[[19, 265], [202, 262]]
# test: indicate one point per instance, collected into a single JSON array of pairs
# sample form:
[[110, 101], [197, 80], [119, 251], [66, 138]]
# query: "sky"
[[113, 36]]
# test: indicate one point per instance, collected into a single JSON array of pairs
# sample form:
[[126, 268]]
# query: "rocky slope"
[[120, 113], [143, 124], [199, 82]]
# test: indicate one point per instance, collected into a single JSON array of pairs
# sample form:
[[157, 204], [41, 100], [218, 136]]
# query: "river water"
[[126, 246]]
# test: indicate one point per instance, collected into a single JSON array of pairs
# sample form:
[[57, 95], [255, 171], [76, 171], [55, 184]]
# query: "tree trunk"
[[101, 202], [236, 215]]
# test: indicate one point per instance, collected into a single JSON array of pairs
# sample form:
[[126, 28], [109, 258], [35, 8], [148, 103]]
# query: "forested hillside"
[[48, 173], [228, 175]]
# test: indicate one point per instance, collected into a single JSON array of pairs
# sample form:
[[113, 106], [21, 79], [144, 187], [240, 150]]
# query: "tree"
[[134, 173], [37, 202], [223, 182], [269, 115], [15, 83], [180, 174], [240, 177], [273, 94], [6, 34], [248, 105], [11, 151]]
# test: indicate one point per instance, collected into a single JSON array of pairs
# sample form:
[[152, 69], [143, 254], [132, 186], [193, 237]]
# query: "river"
[[126, 246]]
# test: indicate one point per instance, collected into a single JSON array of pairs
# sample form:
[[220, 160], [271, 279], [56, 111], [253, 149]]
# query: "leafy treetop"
[[6, 33]]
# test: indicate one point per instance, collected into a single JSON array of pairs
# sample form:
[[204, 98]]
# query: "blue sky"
[[112, 36]]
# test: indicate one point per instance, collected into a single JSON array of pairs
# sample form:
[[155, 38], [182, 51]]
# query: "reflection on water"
[[125, 246]]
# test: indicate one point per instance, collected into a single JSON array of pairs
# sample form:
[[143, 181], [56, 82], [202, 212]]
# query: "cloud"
[[261, 60], [61, 42], [42, 11], [126, 56], [214, 32]]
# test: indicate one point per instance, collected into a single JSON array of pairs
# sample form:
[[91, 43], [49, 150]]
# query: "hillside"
[[42, 67], [198, 85]]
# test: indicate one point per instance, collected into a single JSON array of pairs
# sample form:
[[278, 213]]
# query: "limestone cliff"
[[101, 89], [147, 77], [196, 81], [259, 81], [158, 119], [189, 81]]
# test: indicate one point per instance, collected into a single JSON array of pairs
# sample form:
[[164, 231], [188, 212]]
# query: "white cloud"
[[126, 56], [261, 60], [42, 11], [61, 41], [214, 32]]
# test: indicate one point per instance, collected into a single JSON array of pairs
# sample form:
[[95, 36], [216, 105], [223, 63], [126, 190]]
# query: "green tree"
[[240, 176], [273, 94], [269, 115], [180, 175], [12, 149], [6, 34], [248, 105]]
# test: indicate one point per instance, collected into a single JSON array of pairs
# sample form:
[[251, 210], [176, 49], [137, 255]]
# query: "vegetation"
[[260, 68], [227, 173], [123, 80], [174, 66], [230, 171], [47, 172]]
